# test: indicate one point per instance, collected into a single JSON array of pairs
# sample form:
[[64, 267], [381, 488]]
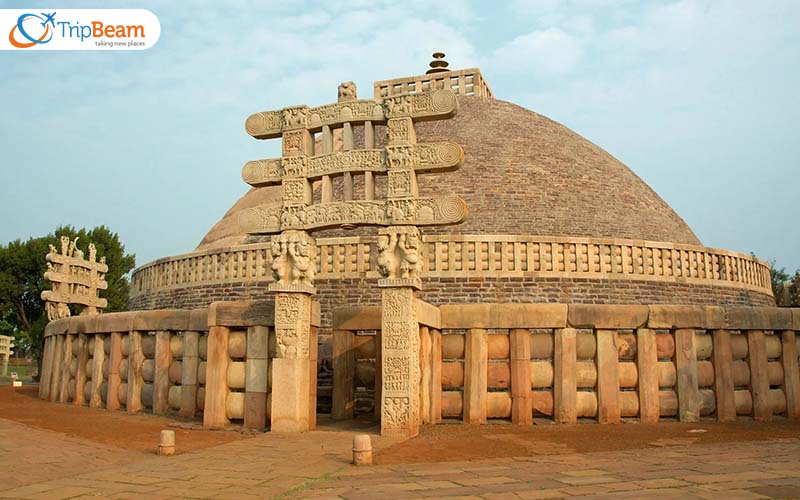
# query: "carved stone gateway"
[[400, 242], [75, 280]]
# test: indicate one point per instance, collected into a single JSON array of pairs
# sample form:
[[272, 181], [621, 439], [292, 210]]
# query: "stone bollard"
[[166, 444], [362, 450]]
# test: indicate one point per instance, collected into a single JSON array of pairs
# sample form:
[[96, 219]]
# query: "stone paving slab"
[[46, 465]]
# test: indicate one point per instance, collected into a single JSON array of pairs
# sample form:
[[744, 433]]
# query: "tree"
[[22, 267], [779, 278]]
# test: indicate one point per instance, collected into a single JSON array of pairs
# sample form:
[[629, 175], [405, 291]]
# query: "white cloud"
[[546, 53]]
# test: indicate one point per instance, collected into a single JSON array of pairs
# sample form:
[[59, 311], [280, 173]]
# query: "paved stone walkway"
[[47, 465]]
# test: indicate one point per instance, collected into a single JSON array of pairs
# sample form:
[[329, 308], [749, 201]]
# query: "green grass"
[[24, 373]]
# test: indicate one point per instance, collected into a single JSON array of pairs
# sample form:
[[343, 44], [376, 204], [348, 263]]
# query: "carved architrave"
[[427, 105], [429, 157], [74, 280], [400, 366], [292, 324], [424, 106], [270, 219]]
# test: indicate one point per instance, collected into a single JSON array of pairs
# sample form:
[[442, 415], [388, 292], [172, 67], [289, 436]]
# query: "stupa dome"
[[522, 174]]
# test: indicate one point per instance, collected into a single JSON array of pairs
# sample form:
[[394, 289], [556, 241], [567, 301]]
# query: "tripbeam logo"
[[79, 29], [42, 24]]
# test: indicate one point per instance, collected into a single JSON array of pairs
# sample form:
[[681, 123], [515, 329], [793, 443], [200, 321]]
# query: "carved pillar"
[[400, 361], [291, 380]]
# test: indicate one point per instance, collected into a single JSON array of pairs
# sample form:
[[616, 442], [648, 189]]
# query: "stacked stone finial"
[[74, 280], [438, 65]]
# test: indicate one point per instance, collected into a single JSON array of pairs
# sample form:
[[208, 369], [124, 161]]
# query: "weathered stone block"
[[607, 316]]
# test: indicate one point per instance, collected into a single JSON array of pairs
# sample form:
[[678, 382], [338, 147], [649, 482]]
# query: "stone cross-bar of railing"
[[419, 107]]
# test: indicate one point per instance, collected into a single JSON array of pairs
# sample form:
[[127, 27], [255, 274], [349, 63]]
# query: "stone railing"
[[565, 362], [215, 361], [467, 82], [477, 256]]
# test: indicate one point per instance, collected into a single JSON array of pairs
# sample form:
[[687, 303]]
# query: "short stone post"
[[166, 443], [362, 450]]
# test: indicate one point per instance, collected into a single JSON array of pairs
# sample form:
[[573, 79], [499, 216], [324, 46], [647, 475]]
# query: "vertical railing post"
[[647, 365], [565, 389], [190, 362], [608, 411], [63, 390], [791, 373], [215, 411], [162, 360], [759, 378], [723, 375], [135, 380], [425, 374], [476, 359], [58, 359], [686, 367], [436, 376], [520, 354], [80, 372], [96, 400], [114, 362], [256, 373]]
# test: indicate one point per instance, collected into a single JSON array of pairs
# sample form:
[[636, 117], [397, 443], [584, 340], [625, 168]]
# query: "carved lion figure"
[[347, 91]]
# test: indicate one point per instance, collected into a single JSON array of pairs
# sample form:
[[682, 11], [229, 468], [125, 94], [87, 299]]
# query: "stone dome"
[[522, 174]]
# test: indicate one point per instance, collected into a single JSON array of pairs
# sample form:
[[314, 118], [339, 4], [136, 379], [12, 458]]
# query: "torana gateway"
[[435, 253]]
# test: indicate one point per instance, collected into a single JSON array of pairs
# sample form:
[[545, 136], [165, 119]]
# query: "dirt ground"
[[131, 432], [441, 443], [456, 442]]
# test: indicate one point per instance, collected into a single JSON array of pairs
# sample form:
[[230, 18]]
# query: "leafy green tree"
[[779, 277], [22, 267]]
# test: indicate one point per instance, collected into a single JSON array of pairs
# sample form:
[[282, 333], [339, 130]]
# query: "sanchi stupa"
[[434, 253]]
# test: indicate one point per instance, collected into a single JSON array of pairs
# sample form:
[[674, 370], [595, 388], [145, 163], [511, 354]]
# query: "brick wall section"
[[440, 291]]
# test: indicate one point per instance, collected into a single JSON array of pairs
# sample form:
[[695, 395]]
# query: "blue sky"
[[699, 98]]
